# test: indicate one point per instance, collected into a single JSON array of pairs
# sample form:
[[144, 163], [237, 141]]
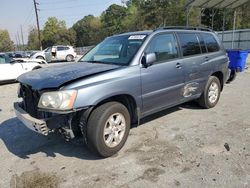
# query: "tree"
[[112, 19], [88, 31], [33, 42], [6, 44], [55, 32]]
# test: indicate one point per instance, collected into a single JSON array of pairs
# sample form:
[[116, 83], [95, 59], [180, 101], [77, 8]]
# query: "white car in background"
[[56, 53], [10, 69]]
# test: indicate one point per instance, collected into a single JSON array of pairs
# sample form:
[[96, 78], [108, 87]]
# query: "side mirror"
[[148, 59]]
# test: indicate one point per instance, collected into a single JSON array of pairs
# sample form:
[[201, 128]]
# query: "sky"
[[15, 14]]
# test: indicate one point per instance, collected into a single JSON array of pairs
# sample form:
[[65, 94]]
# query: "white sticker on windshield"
[[136, 37]]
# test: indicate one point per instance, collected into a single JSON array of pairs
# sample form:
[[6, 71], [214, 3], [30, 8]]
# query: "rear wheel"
[[108, 128], [69, 58], [211, 94]]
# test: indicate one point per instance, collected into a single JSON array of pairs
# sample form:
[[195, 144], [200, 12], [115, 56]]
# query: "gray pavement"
[[179, 147]]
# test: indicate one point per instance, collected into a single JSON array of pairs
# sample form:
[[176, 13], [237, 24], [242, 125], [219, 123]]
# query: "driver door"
[[48, 54], [162, 82]]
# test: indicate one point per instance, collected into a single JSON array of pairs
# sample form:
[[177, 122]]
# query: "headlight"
[[59, 100]]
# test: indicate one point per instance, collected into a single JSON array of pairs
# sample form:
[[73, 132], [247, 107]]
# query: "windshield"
[[117, 50]]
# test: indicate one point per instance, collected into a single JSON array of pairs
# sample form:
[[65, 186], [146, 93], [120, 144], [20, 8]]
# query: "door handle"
[[206, 58], [178, 65]]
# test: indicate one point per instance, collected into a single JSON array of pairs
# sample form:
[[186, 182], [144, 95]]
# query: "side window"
[[164, 46], [189, 44], [2, 59], [202, 44], [66, 48], [211, 43], [60, 48]]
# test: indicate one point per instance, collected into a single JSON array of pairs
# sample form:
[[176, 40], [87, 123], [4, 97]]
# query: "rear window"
[[189, 44], [211, 43]]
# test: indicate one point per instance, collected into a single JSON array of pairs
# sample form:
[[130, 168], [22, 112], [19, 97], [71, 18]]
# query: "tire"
[[40, 57], [69, 58], [207, 100], [232, 76], [99, 120]]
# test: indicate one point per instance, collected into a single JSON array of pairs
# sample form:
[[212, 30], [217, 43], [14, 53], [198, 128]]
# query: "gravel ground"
[[179, 147]]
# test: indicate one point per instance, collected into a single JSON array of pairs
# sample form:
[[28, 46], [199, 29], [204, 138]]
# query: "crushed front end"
[[42, 121]]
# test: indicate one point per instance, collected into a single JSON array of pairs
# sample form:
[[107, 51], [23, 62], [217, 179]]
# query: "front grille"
[[30, 100]]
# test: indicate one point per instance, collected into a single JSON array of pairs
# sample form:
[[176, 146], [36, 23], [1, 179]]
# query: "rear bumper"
[[37, 125]]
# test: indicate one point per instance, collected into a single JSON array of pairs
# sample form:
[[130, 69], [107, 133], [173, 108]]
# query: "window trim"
[[199, 35], [169, 60]]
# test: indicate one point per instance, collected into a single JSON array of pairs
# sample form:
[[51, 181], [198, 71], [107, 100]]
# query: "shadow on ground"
[[189, 105], [23, 142]]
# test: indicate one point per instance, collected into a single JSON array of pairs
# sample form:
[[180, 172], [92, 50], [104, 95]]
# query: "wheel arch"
[[40, 57], [220, 76], [127, 100], [37, 67]]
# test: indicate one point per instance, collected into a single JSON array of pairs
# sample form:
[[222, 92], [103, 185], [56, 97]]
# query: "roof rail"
[[184, 28]]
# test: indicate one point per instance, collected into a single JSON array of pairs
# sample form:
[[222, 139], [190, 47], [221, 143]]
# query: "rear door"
[[193, 60], [163, 81], [61, 52]]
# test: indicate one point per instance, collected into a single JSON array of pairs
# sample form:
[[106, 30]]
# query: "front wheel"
[[108, 128], [211, 94], [40, 57]]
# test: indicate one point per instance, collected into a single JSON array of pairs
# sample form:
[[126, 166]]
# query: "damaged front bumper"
[[37, 125]]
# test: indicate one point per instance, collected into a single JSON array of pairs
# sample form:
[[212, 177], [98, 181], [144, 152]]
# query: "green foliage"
[[88, 31], [55, 32], [112, 19], [33, 42], [5, 42]]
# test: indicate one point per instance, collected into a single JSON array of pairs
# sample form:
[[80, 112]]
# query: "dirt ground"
[[179, 147]]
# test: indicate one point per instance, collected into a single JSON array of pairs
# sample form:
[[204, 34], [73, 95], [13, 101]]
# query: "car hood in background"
[[58, 75]]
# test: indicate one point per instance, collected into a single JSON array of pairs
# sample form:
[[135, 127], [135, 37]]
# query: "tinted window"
[[164, 46], [202, 44], [211, 43], [189, 44], [60, 48], [66, 48]]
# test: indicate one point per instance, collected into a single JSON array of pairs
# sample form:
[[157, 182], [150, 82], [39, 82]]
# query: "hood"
[[58, 75]]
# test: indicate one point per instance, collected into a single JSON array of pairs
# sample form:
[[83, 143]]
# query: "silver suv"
[[56, 53], [123, 79]]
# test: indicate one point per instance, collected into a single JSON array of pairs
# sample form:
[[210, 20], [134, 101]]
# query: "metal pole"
[[38, 27], [187, 17], [223, 26], [22, 36], [213, 19], [234, 27], [18, 41]]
